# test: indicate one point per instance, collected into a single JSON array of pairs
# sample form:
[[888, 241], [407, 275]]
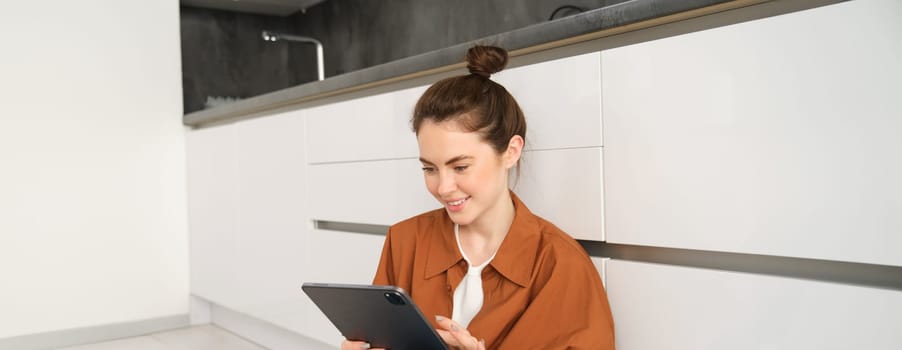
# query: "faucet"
[[275, 36]]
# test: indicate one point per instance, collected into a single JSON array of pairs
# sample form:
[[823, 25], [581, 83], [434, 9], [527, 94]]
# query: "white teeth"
[[457, 202]]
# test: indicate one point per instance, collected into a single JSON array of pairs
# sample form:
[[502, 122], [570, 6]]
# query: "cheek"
[[479, 180], [431, 183], [491, 178]]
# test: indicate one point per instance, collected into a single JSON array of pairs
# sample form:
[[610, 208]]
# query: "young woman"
[[493, 274]]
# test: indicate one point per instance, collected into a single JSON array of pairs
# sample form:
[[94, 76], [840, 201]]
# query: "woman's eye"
[[428, 170], [460, 168]]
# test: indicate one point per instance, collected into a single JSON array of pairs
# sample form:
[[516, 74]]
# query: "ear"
[[514, 150]]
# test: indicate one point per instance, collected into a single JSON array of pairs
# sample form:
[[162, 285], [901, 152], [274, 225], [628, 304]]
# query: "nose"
[[446, 185]]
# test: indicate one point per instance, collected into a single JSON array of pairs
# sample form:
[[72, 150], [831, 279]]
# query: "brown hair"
[[474, 101]]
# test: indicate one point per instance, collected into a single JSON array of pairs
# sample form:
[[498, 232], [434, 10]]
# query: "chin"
[[460, 219]]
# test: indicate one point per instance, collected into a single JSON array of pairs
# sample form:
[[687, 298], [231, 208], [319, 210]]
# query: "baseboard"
[[263, 333], [200, 310], [93, 334]]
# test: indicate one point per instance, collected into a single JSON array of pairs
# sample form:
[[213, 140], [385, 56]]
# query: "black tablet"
[[383, 316]]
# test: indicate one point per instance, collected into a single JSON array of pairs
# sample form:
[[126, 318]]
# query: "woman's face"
[[463, 172]]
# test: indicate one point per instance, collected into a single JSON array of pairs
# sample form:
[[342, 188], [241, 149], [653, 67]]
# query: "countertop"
[[618, 18]]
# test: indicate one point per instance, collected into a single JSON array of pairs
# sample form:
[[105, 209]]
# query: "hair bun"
[[486, 60]]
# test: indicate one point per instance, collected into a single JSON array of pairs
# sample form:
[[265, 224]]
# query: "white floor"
[[206, 337]]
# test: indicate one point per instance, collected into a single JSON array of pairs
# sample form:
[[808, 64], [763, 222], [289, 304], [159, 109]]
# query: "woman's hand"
[[356, 345], [456, 336]]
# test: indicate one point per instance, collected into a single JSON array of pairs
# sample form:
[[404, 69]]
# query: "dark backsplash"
[[224, 55]]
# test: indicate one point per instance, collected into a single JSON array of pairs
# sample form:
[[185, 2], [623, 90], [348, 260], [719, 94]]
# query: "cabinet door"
[[272, 213], [564, 186], [367, 128], [212, 207], [247, 214], [668, 307], [561, 100], [779, 136]]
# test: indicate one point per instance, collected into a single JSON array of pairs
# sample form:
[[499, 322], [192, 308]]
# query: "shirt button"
[[448, 286]]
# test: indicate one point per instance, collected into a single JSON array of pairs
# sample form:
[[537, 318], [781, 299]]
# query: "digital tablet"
[[383, 316]]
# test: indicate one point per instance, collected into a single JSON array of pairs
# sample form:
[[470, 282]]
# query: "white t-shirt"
[[468, 295]]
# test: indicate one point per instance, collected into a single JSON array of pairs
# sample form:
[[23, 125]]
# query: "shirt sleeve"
[[569, 309]]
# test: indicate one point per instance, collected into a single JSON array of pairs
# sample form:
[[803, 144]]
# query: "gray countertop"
[[602, 19]]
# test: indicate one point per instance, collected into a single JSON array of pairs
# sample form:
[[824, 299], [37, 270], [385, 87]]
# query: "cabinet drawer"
[[775, 136], [367, 128], [564, 186], [328, 257], [700, 309], [342, 257], [385, 192], [376, 192], [561, 100]]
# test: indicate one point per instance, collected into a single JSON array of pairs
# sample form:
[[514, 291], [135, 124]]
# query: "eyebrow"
[[450, 161]]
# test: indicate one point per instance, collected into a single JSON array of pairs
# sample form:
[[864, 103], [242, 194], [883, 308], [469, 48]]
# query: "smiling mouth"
[[457, 202]]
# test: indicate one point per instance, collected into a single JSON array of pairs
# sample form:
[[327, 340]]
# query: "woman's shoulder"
[[417, 223], [552, 240], [559, 254], [558, 243]]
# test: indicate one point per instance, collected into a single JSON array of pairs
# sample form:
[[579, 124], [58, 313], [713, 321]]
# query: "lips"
[[456, 205]]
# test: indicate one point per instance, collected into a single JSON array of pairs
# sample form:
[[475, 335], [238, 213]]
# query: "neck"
[[486, 233]]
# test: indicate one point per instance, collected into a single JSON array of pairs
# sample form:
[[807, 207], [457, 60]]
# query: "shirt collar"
[[515, 257]]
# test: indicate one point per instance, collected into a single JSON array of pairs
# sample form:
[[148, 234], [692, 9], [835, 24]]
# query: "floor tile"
[[138, 343], [206, 337], [203, 338]]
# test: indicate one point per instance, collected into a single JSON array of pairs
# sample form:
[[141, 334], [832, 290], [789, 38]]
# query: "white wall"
[[92, 186]]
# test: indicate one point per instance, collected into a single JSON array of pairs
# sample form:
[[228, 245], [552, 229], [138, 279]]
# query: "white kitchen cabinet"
[[212, 204], [338, 257], [601, 266], [385, 192], [247, 212], [272, 216], [669, 307], [367, 128], [342, 257], [328, 257], [564, 186], [561, 100], [778, 136], [375, 192]]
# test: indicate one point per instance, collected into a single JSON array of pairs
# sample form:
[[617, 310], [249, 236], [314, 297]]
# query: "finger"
[[448, 338], [449, 325], [481, 345], [461, 335]]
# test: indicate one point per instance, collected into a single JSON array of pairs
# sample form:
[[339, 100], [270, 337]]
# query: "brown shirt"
[[541, 290]]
